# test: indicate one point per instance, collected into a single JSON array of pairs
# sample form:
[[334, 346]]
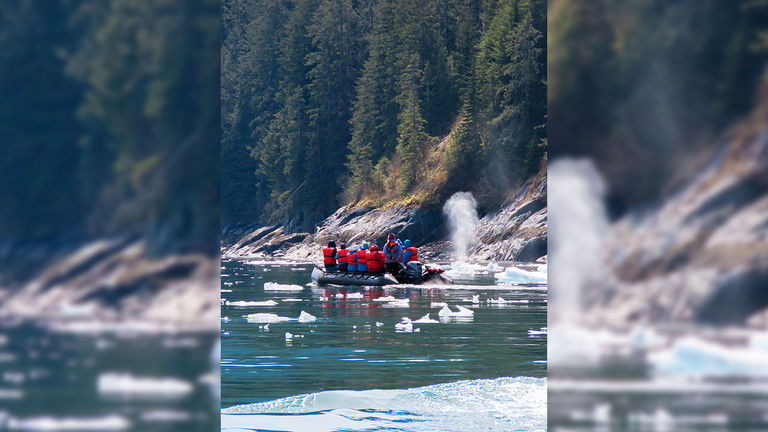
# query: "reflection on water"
[[127, 380], [323, 371]]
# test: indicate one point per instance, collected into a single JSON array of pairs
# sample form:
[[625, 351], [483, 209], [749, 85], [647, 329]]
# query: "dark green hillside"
[[378, 102]]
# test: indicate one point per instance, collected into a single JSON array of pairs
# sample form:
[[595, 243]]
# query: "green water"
[[353, 345]]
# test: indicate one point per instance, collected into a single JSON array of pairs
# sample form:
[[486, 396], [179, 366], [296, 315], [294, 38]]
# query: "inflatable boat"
[[412, 274]]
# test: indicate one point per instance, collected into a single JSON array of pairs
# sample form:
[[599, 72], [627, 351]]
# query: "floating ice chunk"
[[274, 286], [541, 332], [463, 312], [112, 422], [111, 383], [266, 303], [225, 319], [288, 337], [291, 300], [399, 303], [305, 317], [404, 326], [354, 295], [417, 330], [426, 320], [693, 356], [228, 283], [385, 299], [226, 290], [262, 318], [516, 275], [379, 324], [499, 300], [493, 267], [474, 300], [223, 301], [438, 304], [264, 328]]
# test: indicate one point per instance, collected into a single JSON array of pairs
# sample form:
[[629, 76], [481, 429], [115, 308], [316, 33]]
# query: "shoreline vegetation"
[[378, 104]]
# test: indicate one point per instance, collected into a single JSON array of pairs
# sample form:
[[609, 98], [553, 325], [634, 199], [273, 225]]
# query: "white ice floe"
[[404, 326], [305, 317], [438, 304], [517, 275], [274, 286], [695, 356], [379, 324], [288, 337], [252, 303], [264, 328], [501, 300], [493, 267], [463, 312], [399, 303], [474, 300], [385, 299], [354, 295], [291, 300], [426, 320], [266, 318], [108, 423], [122, 384], [541, 332], [226, 290]]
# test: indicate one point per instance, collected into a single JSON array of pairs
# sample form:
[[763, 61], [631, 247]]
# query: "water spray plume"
[[461, 211]]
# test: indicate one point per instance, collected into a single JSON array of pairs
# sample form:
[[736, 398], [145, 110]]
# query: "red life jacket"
[[375, 261], [362, 257], [329, 256], [351, 258], [343, 256], [414, 254]]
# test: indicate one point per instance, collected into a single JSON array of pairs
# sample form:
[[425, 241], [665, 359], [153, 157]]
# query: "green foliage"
[[363, 90]]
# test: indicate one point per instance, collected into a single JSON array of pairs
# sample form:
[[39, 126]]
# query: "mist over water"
[[461, 211], [577, 225]]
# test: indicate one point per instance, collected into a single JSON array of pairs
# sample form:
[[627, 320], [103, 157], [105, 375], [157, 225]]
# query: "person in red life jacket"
[[362, 258], [375, 260], [393, 254], [410, 253], [352, 259], [329, 256], [341, 256]]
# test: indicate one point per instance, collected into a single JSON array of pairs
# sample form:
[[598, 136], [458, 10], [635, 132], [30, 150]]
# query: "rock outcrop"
[[702, 255], [516, 232]]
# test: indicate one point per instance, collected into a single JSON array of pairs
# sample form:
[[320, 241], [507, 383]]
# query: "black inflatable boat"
[[412, 274]]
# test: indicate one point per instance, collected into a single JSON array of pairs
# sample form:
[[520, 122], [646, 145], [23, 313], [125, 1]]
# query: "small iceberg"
[[426, 320], [474, 300], [125, 384], [516, 275], [399, 303], [463, 312], [274, 286], [438, 304], [265, 318], [305, 317], [404, 326], [252, 303]]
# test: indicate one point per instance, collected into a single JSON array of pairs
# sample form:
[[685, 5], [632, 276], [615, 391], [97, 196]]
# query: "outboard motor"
[[413, 271]]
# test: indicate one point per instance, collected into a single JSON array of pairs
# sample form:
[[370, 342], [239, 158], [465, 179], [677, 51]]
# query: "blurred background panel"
[[658, 198], [109, 214]]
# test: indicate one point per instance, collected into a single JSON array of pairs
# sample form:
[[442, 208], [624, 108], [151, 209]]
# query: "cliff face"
[[702, 255], [515, 232]]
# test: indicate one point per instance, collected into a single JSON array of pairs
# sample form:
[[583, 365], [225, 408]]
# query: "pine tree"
[[411, 136]]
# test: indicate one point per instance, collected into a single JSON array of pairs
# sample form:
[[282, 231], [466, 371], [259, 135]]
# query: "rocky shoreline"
[[516, 232]]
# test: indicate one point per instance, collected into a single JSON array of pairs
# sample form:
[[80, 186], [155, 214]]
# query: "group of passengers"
[[368, 258]]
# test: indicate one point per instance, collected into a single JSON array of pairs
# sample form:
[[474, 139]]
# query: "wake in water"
[[518, 404]]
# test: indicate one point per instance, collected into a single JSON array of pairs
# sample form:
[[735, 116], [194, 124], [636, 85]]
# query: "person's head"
[[353, 249], [407, 243], [374, 248], [343, 245], [331, 244], [364, 246], [391, 237]]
